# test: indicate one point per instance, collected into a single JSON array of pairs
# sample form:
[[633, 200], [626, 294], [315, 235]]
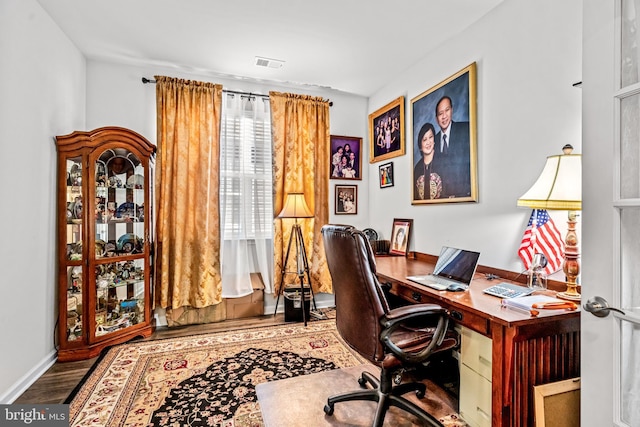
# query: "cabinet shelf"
[[104, 242]]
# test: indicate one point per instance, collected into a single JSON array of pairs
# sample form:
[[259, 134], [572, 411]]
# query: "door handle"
[[599, 306]]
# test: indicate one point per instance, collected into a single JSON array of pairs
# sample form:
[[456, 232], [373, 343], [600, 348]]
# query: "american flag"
[[542, 236]]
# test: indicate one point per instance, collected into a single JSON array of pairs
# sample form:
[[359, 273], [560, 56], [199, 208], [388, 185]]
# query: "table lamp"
[[559, 187], [296, 207]]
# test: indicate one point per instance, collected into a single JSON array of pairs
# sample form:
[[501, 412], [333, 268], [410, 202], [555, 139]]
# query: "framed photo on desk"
[[400, 235]]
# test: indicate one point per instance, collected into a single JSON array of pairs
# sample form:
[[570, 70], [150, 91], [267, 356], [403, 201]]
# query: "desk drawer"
[[460, 316], [409, 294], [470, 320], [475, 398], [476, 352]]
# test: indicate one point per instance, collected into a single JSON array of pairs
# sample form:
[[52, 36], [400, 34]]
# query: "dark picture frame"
[[385, 175], [386, 131], [446, 175], [346, 200], [400, 236], [345, 164]]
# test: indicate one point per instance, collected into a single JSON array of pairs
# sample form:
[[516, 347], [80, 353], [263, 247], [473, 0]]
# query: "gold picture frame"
[[386, 131], [445, 153]]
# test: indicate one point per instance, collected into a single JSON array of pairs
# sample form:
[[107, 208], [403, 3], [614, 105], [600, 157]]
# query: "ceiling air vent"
[[269, 63]]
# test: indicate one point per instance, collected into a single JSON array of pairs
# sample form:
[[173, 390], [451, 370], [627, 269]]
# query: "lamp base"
[[571, 296]]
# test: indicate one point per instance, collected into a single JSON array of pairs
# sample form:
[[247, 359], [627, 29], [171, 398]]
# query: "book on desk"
[[532, 304]]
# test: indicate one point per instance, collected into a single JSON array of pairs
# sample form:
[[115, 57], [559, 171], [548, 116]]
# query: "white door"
[[610, 367]]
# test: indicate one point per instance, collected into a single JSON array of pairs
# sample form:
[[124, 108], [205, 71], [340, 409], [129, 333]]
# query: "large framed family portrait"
[[444, 141], [346, 157], [386, 131]]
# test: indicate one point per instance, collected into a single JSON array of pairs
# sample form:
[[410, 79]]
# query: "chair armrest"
[[410, 311], [399, 316]]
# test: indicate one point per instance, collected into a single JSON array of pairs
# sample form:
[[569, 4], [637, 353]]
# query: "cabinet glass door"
[[74, 282], [74, 209], [119, 236]]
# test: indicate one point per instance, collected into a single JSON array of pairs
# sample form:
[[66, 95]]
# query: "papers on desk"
[[533, 304]]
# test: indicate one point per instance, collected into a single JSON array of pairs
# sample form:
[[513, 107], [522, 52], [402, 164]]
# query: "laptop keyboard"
[[434, 282], [440, 280], [508, 290]]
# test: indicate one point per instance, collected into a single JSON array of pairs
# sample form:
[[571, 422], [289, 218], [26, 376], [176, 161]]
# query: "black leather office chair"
[[386, 337]]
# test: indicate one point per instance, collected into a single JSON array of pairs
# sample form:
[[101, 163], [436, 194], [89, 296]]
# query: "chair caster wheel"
[[362, 382], [328, 409], [419, 394]]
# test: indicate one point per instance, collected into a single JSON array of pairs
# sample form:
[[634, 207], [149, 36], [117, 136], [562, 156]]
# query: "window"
[[246, 185], [246, 194]]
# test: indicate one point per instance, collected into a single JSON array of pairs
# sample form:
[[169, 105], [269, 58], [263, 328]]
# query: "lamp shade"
[[295, 207], [559, 186]]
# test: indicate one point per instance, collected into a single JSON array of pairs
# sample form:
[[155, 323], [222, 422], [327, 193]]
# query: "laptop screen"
[[456, 264]]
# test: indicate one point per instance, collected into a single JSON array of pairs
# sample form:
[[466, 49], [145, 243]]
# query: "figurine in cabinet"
[[119, 165], [101, 174], [75, 176], [76, 280], [74, 209]]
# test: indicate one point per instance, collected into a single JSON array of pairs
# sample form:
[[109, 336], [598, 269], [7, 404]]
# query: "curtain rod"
[[146, 80]]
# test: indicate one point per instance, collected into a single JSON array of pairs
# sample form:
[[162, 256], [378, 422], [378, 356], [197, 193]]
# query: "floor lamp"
[[559, 187], [296, 207]]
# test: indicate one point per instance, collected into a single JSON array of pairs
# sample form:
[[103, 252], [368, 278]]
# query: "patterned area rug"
[[203, 380]]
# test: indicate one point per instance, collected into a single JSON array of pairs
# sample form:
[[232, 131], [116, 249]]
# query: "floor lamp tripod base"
[[302, 270]]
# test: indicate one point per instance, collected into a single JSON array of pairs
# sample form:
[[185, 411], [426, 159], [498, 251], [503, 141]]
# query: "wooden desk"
[[526, 351]]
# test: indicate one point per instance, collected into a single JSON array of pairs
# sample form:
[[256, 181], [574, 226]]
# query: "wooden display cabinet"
[[105, 179]]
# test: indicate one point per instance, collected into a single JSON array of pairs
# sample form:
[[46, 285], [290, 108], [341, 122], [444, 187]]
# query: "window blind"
[[246, 184]]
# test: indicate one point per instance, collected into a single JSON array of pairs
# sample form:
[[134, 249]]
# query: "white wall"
[[42, 89], [528, 56]]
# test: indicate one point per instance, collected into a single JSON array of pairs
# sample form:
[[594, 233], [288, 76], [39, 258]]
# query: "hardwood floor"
[[60, 380]]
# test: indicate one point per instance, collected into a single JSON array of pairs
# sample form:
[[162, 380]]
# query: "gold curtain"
[[188, 230], [300, 132]]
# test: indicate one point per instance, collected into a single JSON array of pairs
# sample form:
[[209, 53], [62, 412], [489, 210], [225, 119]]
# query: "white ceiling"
[[347, 45]]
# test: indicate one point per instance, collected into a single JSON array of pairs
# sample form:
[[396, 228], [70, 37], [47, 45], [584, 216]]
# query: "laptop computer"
[[455, 268]]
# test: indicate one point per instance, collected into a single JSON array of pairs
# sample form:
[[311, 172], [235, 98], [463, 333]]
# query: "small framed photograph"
[[346, 200], [385, 174], [444, 136], [386, 131], [400, 235], [346, 157]]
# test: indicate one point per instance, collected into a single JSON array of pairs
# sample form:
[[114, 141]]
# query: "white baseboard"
[[29, 378]]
